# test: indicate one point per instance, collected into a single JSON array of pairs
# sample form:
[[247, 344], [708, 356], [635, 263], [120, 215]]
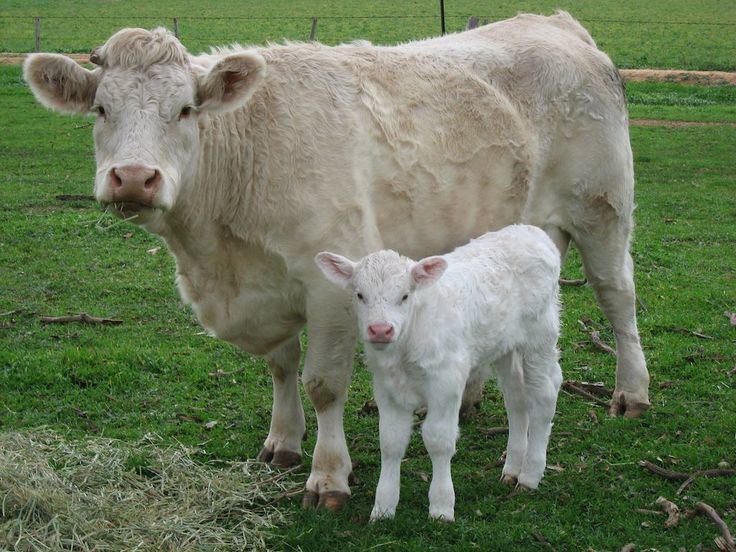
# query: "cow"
[[248, 161], [432, 325]]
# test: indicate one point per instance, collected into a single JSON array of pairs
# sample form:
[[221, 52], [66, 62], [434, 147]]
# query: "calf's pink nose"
[[380, 333], [134, 183]]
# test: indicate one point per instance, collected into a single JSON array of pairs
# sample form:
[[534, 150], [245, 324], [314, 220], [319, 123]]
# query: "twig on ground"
[[595, 388], [667, 474], [705, 473], [491, 431], [726, 542], [539, 537], [83, 317], [75, 197], [732, 371], [571, 386], [566, 282], [219, 373], [690, 332], [642, 304], [650, 512], [595, 338], [673, 512], [688, 478], [10, 313]]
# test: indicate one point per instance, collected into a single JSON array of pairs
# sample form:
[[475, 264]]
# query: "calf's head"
[[383, 287], [147, 93]]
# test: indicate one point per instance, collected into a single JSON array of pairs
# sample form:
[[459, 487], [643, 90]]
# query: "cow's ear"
[[231, 82], [336, 268], [60, 83], [428, 271]]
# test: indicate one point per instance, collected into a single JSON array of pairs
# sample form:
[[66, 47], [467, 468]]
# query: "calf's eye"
[[359, 296], [185, 112], [405, 297], [101, 110]]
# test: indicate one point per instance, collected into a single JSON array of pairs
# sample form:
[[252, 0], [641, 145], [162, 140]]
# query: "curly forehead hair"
[[383, 265], [131, 48]]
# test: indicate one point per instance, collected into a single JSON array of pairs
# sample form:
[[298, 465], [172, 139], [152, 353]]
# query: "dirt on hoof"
[[310, 500], [266, 455], [509, 480], [333, 500], [286, 459], [628, 409]]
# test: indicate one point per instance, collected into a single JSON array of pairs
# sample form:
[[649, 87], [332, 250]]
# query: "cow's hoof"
[[333, 500], [627, 405], [469, 411], [310, 500], [280, 458], [509, 480]]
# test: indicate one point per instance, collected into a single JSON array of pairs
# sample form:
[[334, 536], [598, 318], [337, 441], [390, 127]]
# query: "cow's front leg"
[[283, 446], [327, 373]]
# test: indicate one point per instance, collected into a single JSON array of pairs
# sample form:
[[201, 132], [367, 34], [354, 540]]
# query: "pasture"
[[659, 34], [157, 372]]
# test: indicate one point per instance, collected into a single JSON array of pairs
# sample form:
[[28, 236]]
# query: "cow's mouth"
[[128, 208]]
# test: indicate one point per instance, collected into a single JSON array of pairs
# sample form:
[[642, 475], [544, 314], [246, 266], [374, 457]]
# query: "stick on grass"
[[82, 317]]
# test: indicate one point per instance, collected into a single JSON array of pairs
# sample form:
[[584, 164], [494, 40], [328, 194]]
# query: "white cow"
[[433, 325], [249, 161]]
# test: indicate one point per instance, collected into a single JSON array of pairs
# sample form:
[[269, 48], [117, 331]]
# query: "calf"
[[428, 337]]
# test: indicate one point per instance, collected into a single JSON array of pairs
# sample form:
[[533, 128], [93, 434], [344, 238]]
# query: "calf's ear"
[[60, 83], [428, 270], [231, 82], [336, 268]]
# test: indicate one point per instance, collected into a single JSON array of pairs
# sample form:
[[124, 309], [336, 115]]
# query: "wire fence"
[[667, 43]]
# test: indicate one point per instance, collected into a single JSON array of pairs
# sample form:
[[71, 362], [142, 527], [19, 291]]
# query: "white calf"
[[426, 337]]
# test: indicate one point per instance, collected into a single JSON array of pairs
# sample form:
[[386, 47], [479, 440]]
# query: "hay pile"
[[104, 494]]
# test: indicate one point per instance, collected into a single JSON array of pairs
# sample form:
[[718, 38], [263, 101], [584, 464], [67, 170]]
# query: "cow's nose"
[[134, 184], [380, 333]]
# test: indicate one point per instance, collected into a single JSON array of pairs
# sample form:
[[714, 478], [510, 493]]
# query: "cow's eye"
[[100, 110], [185, 112], [405, 297], [359, 296]]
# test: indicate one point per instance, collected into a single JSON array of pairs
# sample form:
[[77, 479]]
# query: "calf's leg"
[[511, 381], [542, 380], [283, 445], [395, 430], [439, 432]]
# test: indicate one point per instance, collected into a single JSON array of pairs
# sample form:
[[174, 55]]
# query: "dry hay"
[[104, 494]]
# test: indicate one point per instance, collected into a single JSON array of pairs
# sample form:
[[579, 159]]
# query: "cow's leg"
[[327, 372], [394, 430], [472, 397], [610, 271], [283, 444], [511, 381], [542, 379]]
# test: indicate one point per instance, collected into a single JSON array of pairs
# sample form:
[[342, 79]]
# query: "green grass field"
[[659, 33], [151, 373]]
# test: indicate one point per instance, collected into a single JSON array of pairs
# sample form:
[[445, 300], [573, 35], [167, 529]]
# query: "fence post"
[[442, 14], [313, 31], [472, 23], [176, 27], [37, 21]]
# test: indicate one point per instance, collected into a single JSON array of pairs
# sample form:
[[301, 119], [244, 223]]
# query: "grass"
[[660, 33], [151, 374]]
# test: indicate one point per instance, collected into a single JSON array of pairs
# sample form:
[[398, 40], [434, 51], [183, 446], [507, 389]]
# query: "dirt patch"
[[710, 78], [676, 124], [633, 75]]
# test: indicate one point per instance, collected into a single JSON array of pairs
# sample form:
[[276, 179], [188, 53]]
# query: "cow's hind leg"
[[283, 445], [604, 248]]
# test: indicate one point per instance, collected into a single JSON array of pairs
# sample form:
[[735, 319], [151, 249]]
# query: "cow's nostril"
[[390, 331], [153, 181], [115, 180]]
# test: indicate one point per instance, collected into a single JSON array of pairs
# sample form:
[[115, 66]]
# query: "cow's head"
[[147, 93], [383, 286]]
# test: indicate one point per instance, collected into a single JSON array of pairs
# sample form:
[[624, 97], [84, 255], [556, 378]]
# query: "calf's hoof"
[[628, 405], [520, 489], [444, 517], [509, 480], [279, 458], [331, 500]]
